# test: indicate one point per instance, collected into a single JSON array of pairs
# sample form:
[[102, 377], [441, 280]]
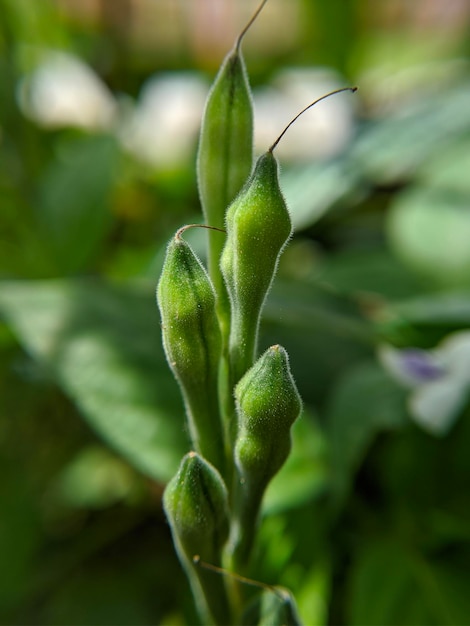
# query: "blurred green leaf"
[[430, 231], [338, 17], [312, 190], [102, 596], [445, 309], [102, 345], [323, 333], [304, 475], [448, 169], [307, 306], [302, 561], [365, 402], [23, 252], [313, 593], [425, 320], [37, 24], [393, 148], [73, 210], [19, 535], [393, 585], [95, 479], [369, 271]]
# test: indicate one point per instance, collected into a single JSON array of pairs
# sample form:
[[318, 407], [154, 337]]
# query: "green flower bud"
[[225, 157], [258, 227], [191, 338], [196, 505], [268, 403]]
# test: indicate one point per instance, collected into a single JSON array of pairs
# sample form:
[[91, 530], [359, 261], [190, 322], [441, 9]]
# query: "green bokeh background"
[[369, 521]]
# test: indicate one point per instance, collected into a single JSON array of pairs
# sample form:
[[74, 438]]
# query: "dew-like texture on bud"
[[191, 338], [258, 227], [196, 505], [268, 403]]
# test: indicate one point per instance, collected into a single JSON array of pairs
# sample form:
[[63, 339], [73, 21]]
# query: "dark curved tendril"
[[238, 43], [332, 93]]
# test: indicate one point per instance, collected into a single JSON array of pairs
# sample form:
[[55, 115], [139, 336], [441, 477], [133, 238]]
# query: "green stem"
[[242, 346], [241, 353], [227, 411], [207, 435], [245, 517], [216, 244], [226, 402], [210, 595]]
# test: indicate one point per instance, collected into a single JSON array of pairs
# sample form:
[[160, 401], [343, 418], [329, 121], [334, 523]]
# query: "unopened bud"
[[196, 505], [258, 226], [268, 403], [191, 338]]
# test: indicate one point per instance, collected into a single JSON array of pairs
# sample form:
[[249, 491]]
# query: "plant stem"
[[210, 594], [243, 340], [245, 516]]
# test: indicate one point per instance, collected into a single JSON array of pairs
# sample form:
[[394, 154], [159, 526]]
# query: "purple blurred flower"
[[439, 379], [420, 365]]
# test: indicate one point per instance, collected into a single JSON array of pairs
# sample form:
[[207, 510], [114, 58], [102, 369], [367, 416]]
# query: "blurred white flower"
[[64, 91], [163, 127]]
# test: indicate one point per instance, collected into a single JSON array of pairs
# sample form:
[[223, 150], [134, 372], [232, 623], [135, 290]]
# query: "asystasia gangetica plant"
[[239, 408]]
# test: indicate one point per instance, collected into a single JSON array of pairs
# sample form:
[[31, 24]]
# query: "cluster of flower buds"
[[240, 409]]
